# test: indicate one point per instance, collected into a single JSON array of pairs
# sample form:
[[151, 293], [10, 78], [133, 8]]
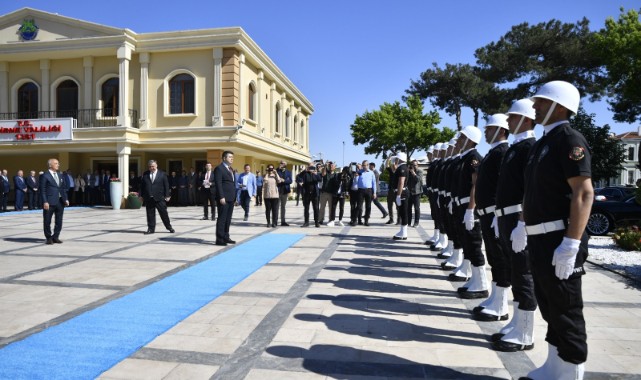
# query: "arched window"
[[109, 97], [287, 124], [295, 124], [28, 101], [181, 94], [67, 99], [278, 117], [251, 102], [302, 132]]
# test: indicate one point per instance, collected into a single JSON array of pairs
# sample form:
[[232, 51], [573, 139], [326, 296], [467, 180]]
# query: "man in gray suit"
[[156, 193], [53, 194]]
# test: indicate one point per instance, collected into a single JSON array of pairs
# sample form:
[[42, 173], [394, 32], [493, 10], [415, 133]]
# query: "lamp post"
[[343, 155]]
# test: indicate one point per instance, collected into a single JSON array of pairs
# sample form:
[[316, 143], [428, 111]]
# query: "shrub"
[[628, 238]]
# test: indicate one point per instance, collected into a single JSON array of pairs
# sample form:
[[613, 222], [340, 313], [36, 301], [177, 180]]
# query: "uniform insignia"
[[544, 151], [510, 156], [577, 153], [475, 163]]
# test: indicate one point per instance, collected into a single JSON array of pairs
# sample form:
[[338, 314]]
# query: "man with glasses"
[[283, 189]]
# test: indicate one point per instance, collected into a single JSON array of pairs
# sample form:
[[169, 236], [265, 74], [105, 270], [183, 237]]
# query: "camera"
[[270, 169], [311, 168], [352, 167]]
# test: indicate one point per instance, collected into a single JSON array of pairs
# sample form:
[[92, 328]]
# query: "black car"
[[613, 193], [607, 214]]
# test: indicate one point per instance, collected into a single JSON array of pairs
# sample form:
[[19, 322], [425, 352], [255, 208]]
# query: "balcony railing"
[[87, 118]]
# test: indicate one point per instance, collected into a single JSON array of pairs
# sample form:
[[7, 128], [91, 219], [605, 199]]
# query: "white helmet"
[[401, 156], [430, 149], [437, 146], [472, 133], [453, 140], [560, 92], [523, 107], [497, 120]]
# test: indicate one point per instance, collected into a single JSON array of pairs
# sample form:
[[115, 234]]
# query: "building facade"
[[630, 174], [98, 97]]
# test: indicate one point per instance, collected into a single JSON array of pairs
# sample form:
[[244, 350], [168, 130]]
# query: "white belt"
[[485, 211], [462, 201], [435, 189], [508, 210], [546, 227], [429, 189], [442, 192], [448, 194]]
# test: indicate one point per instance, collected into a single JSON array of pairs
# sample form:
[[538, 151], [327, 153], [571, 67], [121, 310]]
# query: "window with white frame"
[[631, 153], [251, 102], [109, 97], [287, 128], [278, 117], [182, 97], [295, 129], [28, 101], [630, 177]]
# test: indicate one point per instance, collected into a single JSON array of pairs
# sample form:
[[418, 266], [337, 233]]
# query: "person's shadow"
[[382, 287]]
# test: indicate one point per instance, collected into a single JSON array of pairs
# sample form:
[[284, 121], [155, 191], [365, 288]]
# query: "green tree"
[[454, 87], [619, 47], [607, 153], [530, 55], [397, 128]]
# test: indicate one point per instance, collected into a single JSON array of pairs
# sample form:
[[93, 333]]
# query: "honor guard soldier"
[[517, 335], [433, 189], [447, 188], [401, 192], [453, 253], [470, 229], [556, 207], [432, 156], [485, 181]]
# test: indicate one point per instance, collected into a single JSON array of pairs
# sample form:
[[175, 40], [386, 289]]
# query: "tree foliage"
[[530, 55], [607, 153], [619, 47], [397, 128]]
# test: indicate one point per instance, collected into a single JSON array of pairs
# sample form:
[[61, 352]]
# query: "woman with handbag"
[[270, 195]]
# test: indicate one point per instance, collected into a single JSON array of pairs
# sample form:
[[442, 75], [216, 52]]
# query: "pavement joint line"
[[241, 361], [90, 306], [66, 285], [233, 293], [285, 265], [189, 357]]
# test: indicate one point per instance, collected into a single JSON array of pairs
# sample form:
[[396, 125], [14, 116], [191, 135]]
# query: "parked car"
[[613, 193], [383, 189], [607, 214]]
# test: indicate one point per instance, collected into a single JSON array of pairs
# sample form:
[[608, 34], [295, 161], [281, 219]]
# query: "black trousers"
[[379, 206], [472, 240], [313, 199], [517, 271], [340, 202], [451, 227], [364, 198], [259, 195], [414, 206], [223, 223], [4, 198], [57, 210], [402, 211], [209, 202], [434, 210], [151, 205], [32, 199], [493, 249], [560, 301], [271, 210], [391, 206]]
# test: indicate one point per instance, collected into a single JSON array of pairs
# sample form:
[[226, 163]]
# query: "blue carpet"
[[91, 343]]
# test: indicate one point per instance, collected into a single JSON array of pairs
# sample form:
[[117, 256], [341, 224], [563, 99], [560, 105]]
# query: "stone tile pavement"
[[343, 302]]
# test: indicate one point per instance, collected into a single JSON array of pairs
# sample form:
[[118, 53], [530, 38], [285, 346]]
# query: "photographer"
[[415, 186], [326, 191], [309, 181], [343, 181]]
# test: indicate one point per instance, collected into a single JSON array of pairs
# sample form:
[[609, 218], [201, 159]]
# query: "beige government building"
[[98, 97]]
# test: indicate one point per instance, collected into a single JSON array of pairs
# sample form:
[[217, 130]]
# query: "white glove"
[[495, 225], [449, 208], [438, 203], [398, 200], [565, 257], [519, 237], [468, 219]]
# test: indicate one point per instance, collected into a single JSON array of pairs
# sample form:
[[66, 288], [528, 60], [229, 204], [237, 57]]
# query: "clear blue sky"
[[349, 56]]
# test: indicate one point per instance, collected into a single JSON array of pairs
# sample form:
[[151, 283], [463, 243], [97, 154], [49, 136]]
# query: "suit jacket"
[[32, 183], [157, 190], [50, 191], [19, 183], [5, 187], [225, 184], [251, 184]]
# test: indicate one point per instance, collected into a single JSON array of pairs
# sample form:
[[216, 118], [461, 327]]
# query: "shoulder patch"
[[474, 163], [577, 153]]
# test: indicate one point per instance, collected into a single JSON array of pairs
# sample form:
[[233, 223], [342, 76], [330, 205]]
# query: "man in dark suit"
[[226, 196], [208, 192], [155, 192], [5, 187], [21, 190], [53, 194], [32, 190]]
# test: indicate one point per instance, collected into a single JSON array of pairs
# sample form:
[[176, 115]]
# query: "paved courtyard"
[[342, 302]]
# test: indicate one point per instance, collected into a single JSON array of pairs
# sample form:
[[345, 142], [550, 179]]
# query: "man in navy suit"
[[53, 194], [4, 190], [21, 189], [226, 196], [156, 193], [32, 190]]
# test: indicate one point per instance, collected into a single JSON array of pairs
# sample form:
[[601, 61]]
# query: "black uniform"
[[310, 194], [472, 240], [401, 172], [485, 196], [449, 181], [517, 270], [431, 169], [561, 154]]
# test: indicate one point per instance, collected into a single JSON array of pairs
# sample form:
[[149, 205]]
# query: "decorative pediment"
[[28, 25]]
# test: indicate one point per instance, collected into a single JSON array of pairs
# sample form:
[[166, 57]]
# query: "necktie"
[[207, 177], [55, 176], [153, 176]]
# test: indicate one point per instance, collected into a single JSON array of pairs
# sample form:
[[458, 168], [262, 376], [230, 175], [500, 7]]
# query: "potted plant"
[[134, 201]]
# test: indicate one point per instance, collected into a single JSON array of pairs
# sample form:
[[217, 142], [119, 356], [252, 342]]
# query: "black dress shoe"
[[352, 224], [503, 346], [360, 222], [149, 232], [317, 225], [273, 225], [415, 224], [366, 223], [305, 224], [390, 222], [49, 242], [205, 218], [220, 243], [284, 224], [171, 230], [213, 218], [468, 295], [484, 317], [454, 278], [385, 215], [399, 237], [229, 241], [496, 337], [269, 225], [56, 240]]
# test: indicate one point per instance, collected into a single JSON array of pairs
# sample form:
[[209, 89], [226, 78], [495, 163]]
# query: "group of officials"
[[529, 203]]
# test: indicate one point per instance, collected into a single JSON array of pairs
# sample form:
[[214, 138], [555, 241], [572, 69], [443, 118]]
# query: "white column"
[[242, 102], [144, 90], [292, 108], [45, 65], [217, 117], [124, 151], [283, 115], [259, 101], [87, 63], [4, 87], [307, 133], [124, 56], [272, 110]]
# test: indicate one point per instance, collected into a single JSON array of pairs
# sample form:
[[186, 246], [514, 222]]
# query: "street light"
[[343, 154]]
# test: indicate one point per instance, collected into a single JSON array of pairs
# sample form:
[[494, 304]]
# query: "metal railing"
[[86, 118]]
